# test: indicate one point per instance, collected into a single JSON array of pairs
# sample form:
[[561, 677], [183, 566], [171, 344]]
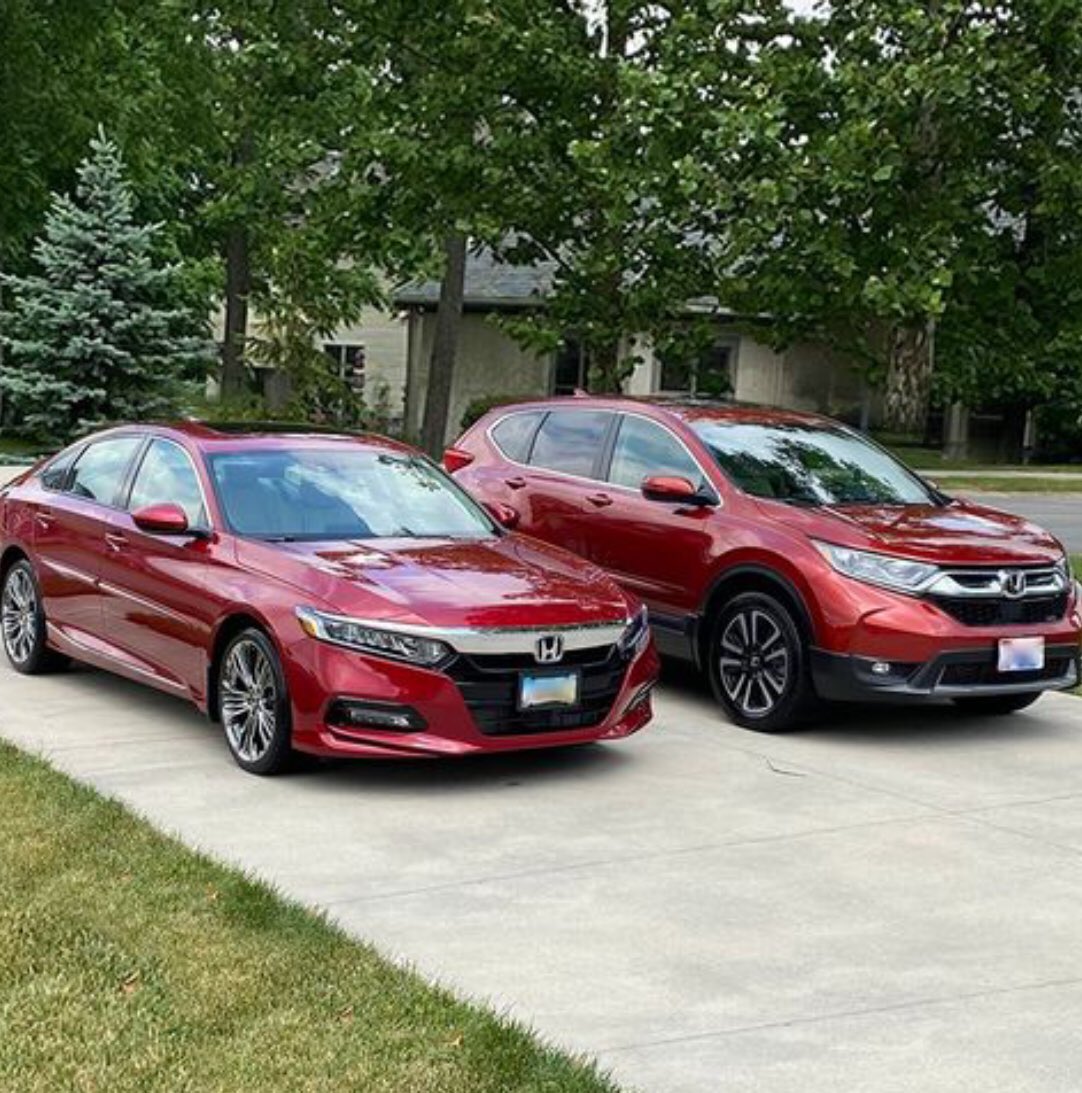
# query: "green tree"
[[97, 334]]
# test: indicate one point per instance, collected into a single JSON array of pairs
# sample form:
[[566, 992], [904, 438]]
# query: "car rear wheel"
[[22, 623], [254, 706], [758, 665], [996, 705]]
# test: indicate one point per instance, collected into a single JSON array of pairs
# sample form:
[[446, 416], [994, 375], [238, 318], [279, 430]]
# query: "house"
[[490, 363], [386, 356]]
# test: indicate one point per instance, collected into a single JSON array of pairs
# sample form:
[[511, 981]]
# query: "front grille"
[[986, 674], [996, 611], [489, 685]]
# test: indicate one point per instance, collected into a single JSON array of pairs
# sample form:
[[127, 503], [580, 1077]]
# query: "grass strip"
[[128, 962]]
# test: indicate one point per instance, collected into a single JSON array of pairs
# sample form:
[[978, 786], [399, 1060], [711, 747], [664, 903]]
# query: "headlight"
[[636, 635], [352, 634], [899, 574]]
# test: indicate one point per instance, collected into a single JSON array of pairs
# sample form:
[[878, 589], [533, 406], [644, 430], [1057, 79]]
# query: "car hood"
[[957, 533], [507, 581]]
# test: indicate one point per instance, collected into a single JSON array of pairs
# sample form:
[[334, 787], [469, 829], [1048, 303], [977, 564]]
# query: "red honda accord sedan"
[[786, 554], [332, 594]]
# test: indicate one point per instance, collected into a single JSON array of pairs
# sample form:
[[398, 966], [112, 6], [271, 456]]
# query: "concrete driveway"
[[892, 902]]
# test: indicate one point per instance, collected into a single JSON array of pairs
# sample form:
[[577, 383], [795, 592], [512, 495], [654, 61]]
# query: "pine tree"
[[103, 331]]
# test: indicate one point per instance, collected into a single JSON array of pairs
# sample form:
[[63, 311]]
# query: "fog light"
[[881, 668], [349, 714]]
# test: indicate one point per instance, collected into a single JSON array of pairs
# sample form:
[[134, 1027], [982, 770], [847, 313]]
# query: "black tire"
[[22, 624], [997, 705], [758, 664], [253, 704]]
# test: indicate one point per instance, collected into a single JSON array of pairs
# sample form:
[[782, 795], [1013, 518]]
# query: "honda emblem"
[[549, 649], [1013, 582]]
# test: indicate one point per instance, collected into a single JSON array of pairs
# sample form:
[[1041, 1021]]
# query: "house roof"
[[490, 284]]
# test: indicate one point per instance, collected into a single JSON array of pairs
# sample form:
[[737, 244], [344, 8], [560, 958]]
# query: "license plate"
[[551, 689], [1021, 654]]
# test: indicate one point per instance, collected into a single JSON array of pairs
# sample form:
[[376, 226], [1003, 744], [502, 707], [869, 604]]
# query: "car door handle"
[[115, 541], [599, 500], [44, 519], [516, 483]]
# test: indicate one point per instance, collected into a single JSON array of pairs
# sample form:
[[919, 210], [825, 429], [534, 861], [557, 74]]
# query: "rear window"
[[513, 434], [101, 469], [570, 441]]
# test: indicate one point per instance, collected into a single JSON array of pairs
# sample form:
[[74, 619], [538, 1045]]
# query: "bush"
[[481, 406]]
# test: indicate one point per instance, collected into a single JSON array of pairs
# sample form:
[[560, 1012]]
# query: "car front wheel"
[[758, 664], [253, 704]]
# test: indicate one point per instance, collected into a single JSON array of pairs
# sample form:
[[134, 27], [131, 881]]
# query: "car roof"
[[687, 409], [238, 436]]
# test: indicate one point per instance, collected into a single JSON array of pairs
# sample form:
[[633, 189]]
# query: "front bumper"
[[321, 675], [958, 673]]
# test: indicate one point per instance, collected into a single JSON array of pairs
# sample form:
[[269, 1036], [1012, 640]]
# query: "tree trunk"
[[605, 371], [909, 379], [441, 368], [238, 283]]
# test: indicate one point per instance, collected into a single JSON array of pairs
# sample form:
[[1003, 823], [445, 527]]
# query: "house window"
[[710, 374], [348, 362], [570, 370]]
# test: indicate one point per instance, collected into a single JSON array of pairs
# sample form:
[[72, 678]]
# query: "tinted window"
[[101, 467], [810, 464], [570, 440], [167, 475], [342, 493], [513, 435], [56, 473], [644, 449]]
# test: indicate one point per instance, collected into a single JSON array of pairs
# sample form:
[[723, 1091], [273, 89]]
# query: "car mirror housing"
[[674, 490], [163, 519]]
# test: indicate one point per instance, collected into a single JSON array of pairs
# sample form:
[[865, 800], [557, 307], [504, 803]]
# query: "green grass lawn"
[[1046, 483], [128, 962]]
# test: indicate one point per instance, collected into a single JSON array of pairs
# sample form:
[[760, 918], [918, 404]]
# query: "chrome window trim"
[[537, 469], [496, 640]]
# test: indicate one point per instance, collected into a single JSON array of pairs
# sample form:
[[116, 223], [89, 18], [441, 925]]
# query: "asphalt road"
[[887, 904], [1060, 513]]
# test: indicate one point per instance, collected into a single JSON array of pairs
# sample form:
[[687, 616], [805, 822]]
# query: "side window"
[[101, 468], [570, 440], [513, 434], [166, 474], [644, 449], [56, 473]]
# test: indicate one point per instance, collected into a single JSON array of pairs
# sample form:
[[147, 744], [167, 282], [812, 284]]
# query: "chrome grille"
[[1013, 595]]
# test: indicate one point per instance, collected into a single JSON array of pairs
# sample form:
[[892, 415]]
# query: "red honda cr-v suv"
[[786, 554]]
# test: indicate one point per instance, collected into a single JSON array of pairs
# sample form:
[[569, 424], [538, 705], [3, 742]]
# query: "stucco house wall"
[[802, 377]]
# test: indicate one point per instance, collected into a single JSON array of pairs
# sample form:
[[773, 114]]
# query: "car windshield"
[[810, 464], [342, 493]]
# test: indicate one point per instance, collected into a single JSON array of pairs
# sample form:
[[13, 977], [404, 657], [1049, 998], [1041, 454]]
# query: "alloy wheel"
[[754, 662], [19, 616], [249, 701]]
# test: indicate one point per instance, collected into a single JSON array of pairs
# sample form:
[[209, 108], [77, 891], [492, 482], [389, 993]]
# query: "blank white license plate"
[[560, 689], [1021, 654]]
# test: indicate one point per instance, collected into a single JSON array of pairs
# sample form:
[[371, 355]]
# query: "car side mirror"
[[674, 490], [163, 519], [504, 515]]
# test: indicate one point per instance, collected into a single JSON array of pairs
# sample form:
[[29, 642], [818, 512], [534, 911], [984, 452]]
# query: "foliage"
[[478, 407], [99, 334]]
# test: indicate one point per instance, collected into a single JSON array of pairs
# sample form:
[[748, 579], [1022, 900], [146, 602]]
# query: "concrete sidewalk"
[[890, 903]]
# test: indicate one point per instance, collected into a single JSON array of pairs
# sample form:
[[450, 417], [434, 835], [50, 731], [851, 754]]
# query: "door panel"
[[553, 493], [69, 537], [658, 550], [156, 602]]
